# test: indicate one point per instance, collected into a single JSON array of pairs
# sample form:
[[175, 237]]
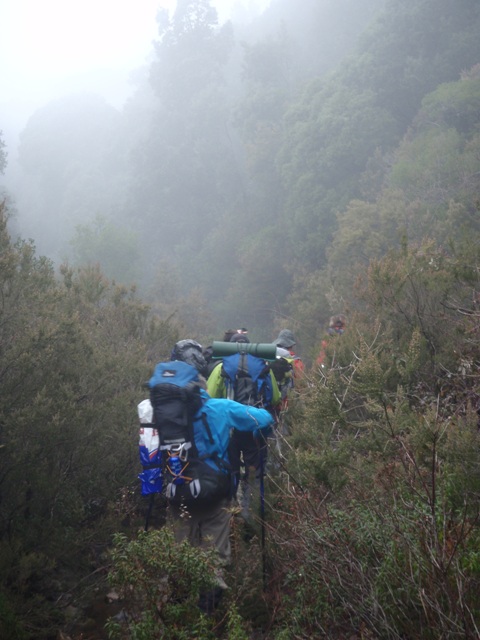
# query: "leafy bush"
[[378, 534], [160, 582], [74, 353]]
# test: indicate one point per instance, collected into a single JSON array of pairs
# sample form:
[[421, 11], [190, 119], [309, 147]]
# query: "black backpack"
[[192, 469], [282, 369]]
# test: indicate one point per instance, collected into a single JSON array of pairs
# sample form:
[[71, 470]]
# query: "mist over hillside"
[[268, 128]]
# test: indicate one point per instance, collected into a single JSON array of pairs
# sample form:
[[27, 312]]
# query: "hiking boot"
[[209, 601]]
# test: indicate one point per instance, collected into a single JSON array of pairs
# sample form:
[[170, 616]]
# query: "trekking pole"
[[262, 514]]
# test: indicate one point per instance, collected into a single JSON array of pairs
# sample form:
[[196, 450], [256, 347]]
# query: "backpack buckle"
[[181, 450]]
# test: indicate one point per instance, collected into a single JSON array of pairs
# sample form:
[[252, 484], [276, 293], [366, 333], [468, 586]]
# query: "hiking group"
[[204, 434]]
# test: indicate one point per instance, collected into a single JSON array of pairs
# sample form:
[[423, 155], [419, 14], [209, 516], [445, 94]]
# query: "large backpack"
[[282, 369], [192, 467], [247, 380]]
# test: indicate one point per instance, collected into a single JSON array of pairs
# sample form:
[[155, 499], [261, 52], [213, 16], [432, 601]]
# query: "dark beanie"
[[239, 337]]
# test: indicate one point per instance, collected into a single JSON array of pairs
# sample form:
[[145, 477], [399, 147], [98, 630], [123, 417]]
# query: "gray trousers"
[[204, 525]]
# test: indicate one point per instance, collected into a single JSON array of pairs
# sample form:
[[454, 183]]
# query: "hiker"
[[192, 353], [228, 335], [286, 340], [197, 477], [282, 369], [208, 351], [248, 380], [287, 368], [336, 327]]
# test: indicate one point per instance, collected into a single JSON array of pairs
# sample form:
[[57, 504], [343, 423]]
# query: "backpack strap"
[[207, 428]]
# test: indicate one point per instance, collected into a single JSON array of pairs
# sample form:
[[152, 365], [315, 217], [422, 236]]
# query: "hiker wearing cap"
[[282, 369], [247, 379], [287, 368], [286, 340], [193, 441]]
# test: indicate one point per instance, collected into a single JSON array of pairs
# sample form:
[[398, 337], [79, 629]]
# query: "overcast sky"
[[49, 48]]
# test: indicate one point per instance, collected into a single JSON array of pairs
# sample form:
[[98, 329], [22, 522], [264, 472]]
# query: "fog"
[[210, 163], [148, 154], [65, 56], [54, 48], [51, 48]]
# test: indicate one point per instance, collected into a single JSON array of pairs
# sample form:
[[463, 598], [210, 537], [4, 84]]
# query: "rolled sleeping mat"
[[262, 350]]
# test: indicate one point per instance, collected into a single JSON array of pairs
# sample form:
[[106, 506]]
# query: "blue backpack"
[[247, 380], [191, 466]]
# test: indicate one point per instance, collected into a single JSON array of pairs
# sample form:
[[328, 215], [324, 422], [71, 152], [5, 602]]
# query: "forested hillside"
[[240, 149], [323, 159]]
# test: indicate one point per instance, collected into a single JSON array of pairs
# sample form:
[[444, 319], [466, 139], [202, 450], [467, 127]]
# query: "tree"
[[178, 74], [72, 169], [74, 355], [112, 246], [3, 155], [185, 170], [261, 281], [329, 138], [399, 57], [453, 105], [366, 105], [383, 514]]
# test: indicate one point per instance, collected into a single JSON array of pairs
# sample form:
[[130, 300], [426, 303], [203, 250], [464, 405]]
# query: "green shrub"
[[159, 581]]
